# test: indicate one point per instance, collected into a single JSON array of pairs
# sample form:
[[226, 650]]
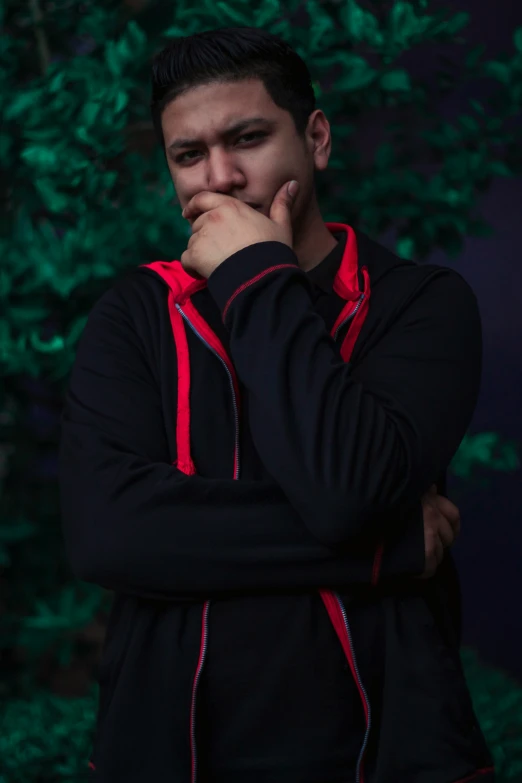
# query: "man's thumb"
[[283, 200], [280, 211], [293, 187]]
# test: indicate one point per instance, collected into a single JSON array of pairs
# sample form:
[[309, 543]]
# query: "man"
[[252, 443]]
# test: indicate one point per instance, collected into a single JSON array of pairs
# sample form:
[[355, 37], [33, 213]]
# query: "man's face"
[[249, 164]]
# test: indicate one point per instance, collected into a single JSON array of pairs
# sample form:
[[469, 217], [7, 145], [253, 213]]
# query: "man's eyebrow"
[[233, 129]]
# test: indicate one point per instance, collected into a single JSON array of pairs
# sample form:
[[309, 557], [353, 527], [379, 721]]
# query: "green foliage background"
[[86, 195]]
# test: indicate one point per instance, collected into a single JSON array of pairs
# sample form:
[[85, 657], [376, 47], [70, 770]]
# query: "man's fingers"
[[449, 510], [441, 526], [446, 532], [439, 549], [434, 556]]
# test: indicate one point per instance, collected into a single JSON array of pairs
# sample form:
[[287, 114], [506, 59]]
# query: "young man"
[[250, 444]]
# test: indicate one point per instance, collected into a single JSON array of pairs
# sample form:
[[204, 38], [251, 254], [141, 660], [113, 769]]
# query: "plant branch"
[[41, 38]]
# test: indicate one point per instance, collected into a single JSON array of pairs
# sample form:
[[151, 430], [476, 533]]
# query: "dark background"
[[489, 550]]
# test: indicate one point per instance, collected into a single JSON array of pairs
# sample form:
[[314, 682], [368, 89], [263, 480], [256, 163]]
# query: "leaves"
[[13, 533], [396, 80], [323, 24], [128, 49], [517, 38], [358, 73], [498, 70], [457, 23], [360, 25], [405, 25], [485, 450], [405, 248]]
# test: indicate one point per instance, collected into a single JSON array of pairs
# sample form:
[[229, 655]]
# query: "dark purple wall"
[[489, 550]]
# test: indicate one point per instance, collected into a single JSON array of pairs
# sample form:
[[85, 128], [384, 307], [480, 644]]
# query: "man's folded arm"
[[134, 523], [349, 442]]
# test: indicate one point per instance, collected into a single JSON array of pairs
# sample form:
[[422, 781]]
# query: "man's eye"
[[257, 134]]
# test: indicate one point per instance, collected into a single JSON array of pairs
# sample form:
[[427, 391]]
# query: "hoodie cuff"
[[406, 555], [245, 268]]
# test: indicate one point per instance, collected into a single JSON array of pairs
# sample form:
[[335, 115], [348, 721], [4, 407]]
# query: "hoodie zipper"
[[362, 690], [204, 643], [359, 771], [206, 607], [202, 656], [349, 317], [236, 415]]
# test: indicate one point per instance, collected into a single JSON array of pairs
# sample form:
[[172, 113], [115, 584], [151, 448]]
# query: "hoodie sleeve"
[[133, 523], [350, 442]]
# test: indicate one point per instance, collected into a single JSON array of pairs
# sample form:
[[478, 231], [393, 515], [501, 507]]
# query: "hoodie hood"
[[351, 283]]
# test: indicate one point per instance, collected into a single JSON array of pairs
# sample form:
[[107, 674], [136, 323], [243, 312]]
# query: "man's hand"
[[224, 225], [441, 527]]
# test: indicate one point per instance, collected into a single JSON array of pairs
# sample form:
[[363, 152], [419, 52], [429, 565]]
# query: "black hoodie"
[[282, 453]]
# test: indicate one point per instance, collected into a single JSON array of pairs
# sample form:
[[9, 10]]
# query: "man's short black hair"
[[232, 54]]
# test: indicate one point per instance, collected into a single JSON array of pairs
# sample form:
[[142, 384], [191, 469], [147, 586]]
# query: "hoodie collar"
[[347, 280]]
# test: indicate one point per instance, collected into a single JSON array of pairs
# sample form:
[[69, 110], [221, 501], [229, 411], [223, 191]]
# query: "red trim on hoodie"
[[184, 460], [336, 616], [346, 285], [359, 318], [377, 562], [484, 771], [250, 282]]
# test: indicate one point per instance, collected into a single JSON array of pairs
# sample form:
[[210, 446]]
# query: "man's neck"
[[314, 245]]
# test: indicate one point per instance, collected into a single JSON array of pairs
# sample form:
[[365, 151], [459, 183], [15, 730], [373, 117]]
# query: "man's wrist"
[[244, 268]]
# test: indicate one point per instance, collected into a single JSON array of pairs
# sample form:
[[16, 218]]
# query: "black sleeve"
[[134, 523], [350, 442]]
